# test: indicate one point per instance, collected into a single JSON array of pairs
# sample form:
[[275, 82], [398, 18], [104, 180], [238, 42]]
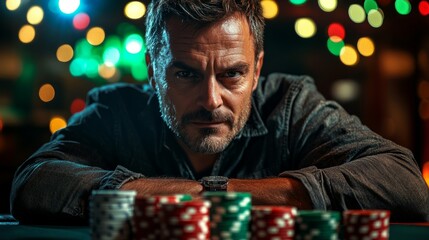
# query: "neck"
[[200, 161]]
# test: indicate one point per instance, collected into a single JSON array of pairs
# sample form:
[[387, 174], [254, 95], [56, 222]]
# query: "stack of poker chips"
[[229, 214], [110, 214], [317, 224], [366, 224], [146, 220], [185, 220], [273, 222]]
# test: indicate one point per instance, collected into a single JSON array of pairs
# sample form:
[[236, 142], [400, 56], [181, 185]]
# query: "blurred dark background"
[[45, 78]]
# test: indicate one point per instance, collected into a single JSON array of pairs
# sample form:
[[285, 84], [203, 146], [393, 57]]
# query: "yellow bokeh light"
[[328, 5], [27, 33], [46, 92], [106, 72], [269, 9], [65, 53], [134, 10], [35, 15], [56, 124], [349, 56], [357, 13], [305, 27], [365, 46], [95, 36], [12, 5], [375, 18]]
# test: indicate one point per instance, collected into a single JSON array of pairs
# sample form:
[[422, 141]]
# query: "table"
[[416, 231]]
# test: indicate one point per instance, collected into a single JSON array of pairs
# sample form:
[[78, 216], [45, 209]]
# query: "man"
[[209, 113]]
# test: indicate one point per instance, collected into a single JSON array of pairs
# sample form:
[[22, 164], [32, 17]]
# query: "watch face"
[[215, 183]]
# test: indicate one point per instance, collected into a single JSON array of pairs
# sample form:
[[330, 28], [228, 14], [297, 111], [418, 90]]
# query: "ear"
[[258, 67], [150, 70]]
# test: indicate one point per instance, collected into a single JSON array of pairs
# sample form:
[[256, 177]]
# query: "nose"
[[210, 96]]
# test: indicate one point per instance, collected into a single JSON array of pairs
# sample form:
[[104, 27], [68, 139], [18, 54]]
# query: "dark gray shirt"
[[292, 132]]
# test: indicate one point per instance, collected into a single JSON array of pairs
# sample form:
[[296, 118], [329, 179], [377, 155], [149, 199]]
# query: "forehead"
[[229, 33]]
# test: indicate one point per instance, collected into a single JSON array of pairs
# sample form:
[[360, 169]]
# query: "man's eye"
[[185, 74], [232, 74]]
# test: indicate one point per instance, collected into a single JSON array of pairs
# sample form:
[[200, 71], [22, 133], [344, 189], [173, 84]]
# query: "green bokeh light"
[[77, 67], [91, 68], [139, 71], [335, 47], [403, 7], [369, 5], [134, 43], [111, 56], [297, 2]]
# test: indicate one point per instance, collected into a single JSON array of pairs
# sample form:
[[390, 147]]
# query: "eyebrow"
[[239, 66]]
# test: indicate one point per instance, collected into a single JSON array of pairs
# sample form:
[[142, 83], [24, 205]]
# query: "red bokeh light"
[[77, 105], [336, 32], [424, 8], [81, 21]]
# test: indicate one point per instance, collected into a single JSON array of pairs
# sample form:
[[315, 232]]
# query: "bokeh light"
[[12, 5], [139, 71], [424, 8], [369, 5], [327, 5], [64, 53], [134, 43], [27, 33], [35, 15], [111, 56], [365, 46], [77, 105], [269, 9], [95, 36], [81, 21], [46, 92], [375, 18], [107, 72], [305, 27], [335, 47], [345, 90], [68, 6], [134, 10], [349, 56], [336, 32], [77, 67], [297, 2], [56, 124], [403, 7], [357, 13]]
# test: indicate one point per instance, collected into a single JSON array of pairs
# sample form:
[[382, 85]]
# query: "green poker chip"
[[317, 224]]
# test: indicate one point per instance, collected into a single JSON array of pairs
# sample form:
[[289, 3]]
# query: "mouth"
[[207, 124]]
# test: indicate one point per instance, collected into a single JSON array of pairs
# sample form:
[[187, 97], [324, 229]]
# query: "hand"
[[164, 186], [273, 191]]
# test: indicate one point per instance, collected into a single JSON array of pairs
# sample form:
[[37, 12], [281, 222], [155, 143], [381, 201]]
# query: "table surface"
[[15, 232]]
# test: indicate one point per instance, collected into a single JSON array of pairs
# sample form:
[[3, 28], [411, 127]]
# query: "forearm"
[[164, 186], [273, 191]]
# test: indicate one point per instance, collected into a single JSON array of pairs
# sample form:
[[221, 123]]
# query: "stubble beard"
[[206, 141]]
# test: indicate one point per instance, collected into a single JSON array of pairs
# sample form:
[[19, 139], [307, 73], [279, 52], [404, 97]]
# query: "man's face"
[[204, 79]]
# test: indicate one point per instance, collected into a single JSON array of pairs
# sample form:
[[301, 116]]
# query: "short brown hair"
[[201, 12]]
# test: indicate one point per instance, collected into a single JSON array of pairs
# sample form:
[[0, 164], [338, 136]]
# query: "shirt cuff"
[[118, 177], [312, 181]]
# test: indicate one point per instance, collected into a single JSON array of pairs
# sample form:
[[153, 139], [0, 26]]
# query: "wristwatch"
[[214, 183]]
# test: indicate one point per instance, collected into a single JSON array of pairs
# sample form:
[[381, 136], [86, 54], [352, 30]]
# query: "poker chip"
[[185, 220], [229, 214], [366, 224], [146, 220], [317, 224], [273, 222], [110, 214]]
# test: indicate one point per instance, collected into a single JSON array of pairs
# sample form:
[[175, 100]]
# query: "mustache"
[[208, 116]]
